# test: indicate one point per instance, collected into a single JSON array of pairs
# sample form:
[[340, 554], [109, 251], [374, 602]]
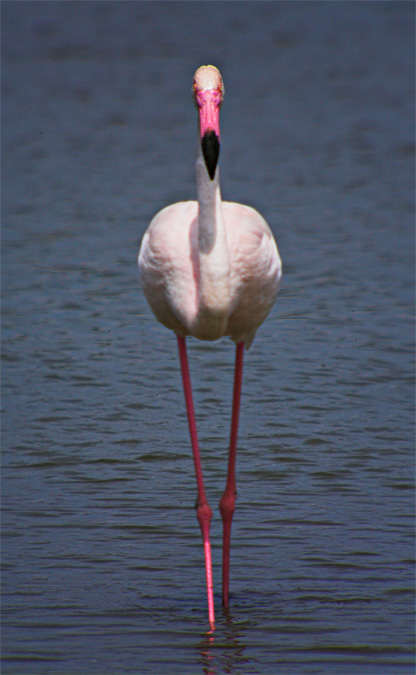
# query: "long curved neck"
[[214, 268], [210, 222]]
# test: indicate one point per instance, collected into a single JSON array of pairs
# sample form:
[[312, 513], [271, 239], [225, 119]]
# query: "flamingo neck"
[[214, 269], [210, 221]]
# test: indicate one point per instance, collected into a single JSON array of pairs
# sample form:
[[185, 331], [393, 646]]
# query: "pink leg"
[[227, 503], [203, 510]]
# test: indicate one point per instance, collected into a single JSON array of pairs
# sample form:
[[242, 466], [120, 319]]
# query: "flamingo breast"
[[169, 267]]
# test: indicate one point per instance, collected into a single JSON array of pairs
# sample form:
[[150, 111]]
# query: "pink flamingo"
[[210, 269]]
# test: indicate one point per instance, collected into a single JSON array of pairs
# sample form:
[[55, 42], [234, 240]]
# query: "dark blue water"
[[102, 559]]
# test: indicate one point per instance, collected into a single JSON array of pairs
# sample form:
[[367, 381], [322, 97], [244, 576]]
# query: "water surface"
[[102, 559]]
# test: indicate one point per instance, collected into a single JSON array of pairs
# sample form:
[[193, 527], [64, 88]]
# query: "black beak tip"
[[210, 144]]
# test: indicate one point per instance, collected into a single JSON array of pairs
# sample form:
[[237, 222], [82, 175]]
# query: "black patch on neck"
[[210, 145]]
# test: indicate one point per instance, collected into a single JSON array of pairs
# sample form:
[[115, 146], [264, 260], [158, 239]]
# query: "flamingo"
[[210, 269]]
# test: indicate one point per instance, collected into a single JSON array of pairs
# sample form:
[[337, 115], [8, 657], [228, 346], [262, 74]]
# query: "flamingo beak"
[[210, 144], [208, 103]]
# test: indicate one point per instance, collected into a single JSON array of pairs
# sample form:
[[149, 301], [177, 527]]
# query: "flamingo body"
[[169, 263]]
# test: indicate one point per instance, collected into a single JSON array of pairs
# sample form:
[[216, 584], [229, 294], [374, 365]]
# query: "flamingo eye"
[[194, 93]]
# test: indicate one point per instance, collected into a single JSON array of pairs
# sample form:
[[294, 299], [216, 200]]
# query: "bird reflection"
[[222, 651]]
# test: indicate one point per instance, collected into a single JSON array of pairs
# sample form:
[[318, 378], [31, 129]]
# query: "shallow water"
[[102, 559]]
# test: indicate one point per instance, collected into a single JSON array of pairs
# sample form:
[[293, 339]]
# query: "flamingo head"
[[208, 90]]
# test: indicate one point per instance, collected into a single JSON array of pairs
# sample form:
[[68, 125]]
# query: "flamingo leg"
[[227, 503], [203, 510]]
